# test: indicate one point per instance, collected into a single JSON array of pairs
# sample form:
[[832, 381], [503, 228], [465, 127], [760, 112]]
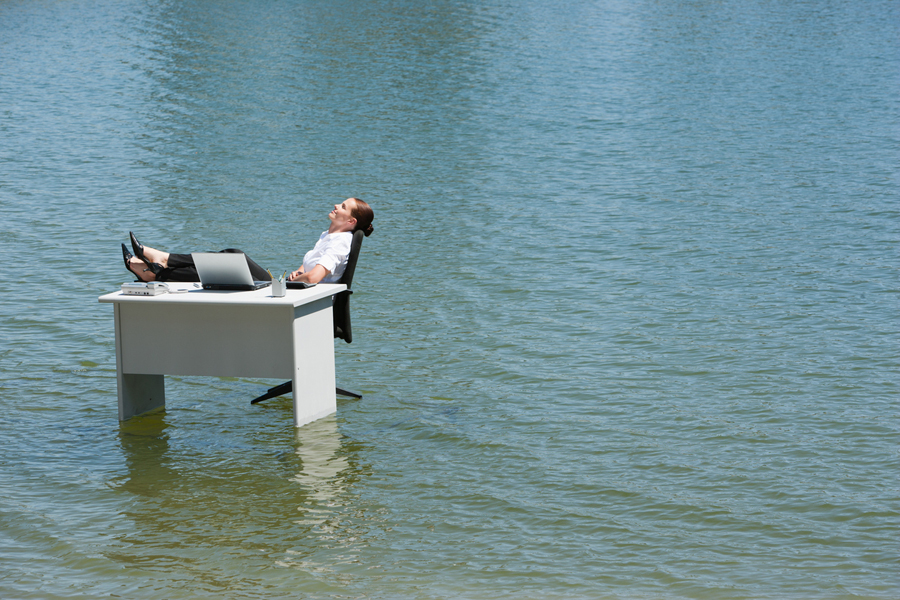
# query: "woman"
[[324, 263]]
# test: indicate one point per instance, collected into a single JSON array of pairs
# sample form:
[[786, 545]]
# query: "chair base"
[[288, 386], [346, 393]]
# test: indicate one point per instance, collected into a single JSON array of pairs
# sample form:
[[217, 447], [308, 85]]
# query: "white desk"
[[226, 334]]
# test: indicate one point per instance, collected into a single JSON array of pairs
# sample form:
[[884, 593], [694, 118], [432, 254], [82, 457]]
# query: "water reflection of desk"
[[319, 449], [226, 334]]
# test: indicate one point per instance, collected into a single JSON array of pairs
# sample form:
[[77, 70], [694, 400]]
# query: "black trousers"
[[181, 268]]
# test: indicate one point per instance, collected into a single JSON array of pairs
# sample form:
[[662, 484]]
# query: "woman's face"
[[341, 216]]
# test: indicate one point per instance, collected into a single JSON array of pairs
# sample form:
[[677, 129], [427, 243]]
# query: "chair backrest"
[[341, 308], [355, 245]]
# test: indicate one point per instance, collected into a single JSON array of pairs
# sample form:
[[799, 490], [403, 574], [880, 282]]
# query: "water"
[[627, 326]]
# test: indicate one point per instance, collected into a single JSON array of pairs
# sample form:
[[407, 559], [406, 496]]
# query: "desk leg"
[[140, 393], [314, 395], [137, 393]]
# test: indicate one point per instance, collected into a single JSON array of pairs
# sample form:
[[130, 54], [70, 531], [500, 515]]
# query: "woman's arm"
[[328, 255], [317, 274]]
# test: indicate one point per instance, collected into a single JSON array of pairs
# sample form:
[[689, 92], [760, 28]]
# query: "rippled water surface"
[[627, 326]]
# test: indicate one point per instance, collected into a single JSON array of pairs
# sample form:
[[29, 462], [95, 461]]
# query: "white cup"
[[278, 288]]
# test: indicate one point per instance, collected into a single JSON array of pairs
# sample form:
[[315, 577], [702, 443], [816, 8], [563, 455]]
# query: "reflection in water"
[[145, 444], [336, 526], [245, 494], [318, 448]]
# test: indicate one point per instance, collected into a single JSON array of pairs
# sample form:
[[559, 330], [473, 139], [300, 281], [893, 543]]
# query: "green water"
[[627, 326]]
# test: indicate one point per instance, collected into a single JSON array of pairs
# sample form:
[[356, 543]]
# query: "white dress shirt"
[[331, 251]]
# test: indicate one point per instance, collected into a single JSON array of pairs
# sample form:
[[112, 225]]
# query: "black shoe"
[[128, 256], [139, 252]]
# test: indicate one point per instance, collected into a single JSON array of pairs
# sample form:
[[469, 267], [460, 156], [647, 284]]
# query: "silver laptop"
[[225, 271]]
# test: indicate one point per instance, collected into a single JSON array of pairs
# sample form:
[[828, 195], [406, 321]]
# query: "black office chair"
[[341, 311]]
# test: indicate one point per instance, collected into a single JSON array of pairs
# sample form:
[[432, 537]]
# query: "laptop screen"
[[224, 270]]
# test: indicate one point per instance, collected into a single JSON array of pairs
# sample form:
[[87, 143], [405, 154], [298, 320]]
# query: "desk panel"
[[212, 340]]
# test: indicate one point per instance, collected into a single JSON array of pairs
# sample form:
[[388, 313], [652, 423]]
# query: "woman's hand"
[[295, 274]]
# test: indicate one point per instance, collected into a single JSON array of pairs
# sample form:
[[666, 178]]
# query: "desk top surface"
[[261, 297]]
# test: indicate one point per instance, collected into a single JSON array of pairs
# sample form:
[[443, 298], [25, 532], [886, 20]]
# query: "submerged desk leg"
[[137, 393], [314, 395], [140, 393]]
